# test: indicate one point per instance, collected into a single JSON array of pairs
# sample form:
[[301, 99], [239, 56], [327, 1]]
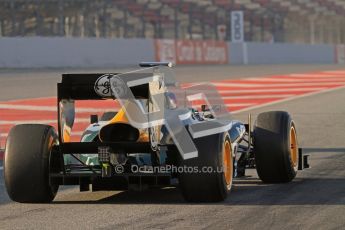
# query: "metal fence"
[[293, 21]]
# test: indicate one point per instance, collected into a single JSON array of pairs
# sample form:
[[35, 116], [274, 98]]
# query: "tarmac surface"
[[314, 200]]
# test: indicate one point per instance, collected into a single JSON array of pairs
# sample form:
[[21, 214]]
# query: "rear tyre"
[[216, 158], [275, 147], [26, 165]]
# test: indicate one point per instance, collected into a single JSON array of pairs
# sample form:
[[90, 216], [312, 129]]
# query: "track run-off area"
[[313, 95], [237, 94]]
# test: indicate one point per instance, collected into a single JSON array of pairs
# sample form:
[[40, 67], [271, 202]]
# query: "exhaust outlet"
[[118, 132]]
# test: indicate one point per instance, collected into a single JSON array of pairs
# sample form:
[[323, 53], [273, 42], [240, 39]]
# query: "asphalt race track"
[[314, 95]]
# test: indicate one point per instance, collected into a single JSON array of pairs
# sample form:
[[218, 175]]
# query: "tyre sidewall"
[[26, 163], [272, 147], [210, 154]]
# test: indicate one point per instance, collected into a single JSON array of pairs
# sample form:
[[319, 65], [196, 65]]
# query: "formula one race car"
[[156, 138]]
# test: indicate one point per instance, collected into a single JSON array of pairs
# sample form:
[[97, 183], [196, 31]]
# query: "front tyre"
[[275, 147], [216, 159], [26, 163]]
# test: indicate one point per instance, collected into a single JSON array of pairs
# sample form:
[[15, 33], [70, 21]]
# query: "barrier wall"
[[280, 53], [73, 52], [45, 52], [191, 51], [339, 51]]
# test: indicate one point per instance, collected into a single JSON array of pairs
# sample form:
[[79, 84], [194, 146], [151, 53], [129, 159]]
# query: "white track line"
[[29, 107], [270, 90], [329, 80], [263, 90], [268, 96], [263, 85], [258, 96], [17, 122], [240, 104], [74, 133], [47, 108], [288, 99], [317, 75]]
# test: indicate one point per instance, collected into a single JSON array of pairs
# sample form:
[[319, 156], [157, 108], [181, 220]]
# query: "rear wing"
[[96, 86], [91, 86]]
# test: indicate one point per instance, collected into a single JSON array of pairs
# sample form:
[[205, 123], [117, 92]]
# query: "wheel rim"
[[293, 146], [227, 164]]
